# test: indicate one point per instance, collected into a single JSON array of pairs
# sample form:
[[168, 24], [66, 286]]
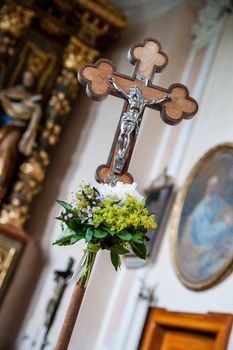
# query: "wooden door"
[[166, 330]]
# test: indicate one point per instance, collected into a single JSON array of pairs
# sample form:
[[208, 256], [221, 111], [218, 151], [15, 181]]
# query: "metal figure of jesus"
[[130, 120]]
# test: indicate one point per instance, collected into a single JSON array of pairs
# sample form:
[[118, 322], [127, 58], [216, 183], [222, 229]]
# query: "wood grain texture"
[[14, 233], [163, 329], [147, 59], [70, 317]]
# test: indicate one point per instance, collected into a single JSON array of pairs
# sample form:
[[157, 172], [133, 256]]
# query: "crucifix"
[[138, 91]]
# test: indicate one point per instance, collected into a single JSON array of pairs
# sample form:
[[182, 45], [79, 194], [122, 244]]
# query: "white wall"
[[213, 125], [86, 143]]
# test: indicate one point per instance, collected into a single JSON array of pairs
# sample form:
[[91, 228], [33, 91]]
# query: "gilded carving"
[[52, 27], [14, 18], [106, 11], [39, 62], [7, 44], [13, 22], [76, 53], [14, 215], [67, 81], [6, 257], [60, 104], [99, 18], [53, 39], [31, 174]]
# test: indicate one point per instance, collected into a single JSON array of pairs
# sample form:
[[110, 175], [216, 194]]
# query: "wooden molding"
[[15, 233], [215, 325]]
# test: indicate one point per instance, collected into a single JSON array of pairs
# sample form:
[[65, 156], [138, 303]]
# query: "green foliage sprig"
[[106, 217]]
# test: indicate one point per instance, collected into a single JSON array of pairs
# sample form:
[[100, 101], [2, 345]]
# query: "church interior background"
[[73, 136]]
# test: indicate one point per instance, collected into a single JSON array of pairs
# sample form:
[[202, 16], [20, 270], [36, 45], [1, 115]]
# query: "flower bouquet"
[[106, 217]]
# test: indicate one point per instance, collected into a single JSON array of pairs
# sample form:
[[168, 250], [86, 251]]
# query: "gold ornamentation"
[[6, 258], [105, 20], [51, 132], [15, 216], [106, 11], [77, 53], [52, 27], [92, 28], [9, 250], [15, 19], [69, 81], [7, 45], [38, 61], [60, 104], [44, 158], [31, 175], [33, 169]]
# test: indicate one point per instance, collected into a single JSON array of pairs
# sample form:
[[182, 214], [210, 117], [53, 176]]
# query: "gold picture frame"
[[202, 232], [10, 249]]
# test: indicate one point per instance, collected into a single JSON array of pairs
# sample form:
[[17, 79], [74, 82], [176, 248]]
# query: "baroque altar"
[[42, 45]]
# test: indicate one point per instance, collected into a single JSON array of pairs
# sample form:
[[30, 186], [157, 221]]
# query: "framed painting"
[[202, 244], [158, 201]]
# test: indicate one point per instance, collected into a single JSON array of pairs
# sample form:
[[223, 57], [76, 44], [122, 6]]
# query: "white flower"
[[120, 190]]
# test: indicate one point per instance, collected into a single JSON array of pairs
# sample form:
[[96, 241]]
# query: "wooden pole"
[[71, 316]]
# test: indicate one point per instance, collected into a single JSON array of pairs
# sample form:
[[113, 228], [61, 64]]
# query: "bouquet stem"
[[77, 297]]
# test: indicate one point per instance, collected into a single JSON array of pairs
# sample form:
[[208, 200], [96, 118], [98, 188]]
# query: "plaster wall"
[[85, 144]]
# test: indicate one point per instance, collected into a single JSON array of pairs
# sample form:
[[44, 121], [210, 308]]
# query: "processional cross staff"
[[174, 104]]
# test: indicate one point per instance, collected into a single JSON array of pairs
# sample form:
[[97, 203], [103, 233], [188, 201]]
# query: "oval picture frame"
[[202, 233]]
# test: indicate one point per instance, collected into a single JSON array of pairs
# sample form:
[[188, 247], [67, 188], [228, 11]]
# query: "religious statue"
[[19, 120], [130, 120]]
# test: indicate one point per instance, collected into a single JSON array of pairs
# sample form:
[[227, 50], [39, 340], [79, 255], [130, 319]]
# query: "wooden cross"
[[174, 103]]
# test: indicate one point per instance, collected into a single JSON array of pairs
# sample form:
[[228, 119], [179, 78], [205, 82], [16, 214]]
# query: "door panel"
[[166, 330]]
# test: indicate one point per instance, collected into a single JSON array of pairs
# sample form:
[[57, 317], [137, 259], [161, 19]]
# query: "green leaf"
[[116, 261], [96, 191], [139, 249], [65, 205], [85, 195], [112, 233], [100, 233], [118, 249], [143, 203], [126, 236], [59, 218], [138, 237], [75, 239], [74, 224], [89, 234], [65, 237]]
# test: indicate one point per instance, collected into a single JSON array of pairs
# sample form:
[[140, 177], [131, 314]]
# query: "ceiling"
[[140, 10]]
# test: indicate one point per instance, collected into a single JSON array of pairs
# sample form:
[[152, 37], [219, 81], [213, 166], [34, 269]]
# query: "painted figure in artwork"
[[130, 120], [209, 232], [20, 115], [207, 226]]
